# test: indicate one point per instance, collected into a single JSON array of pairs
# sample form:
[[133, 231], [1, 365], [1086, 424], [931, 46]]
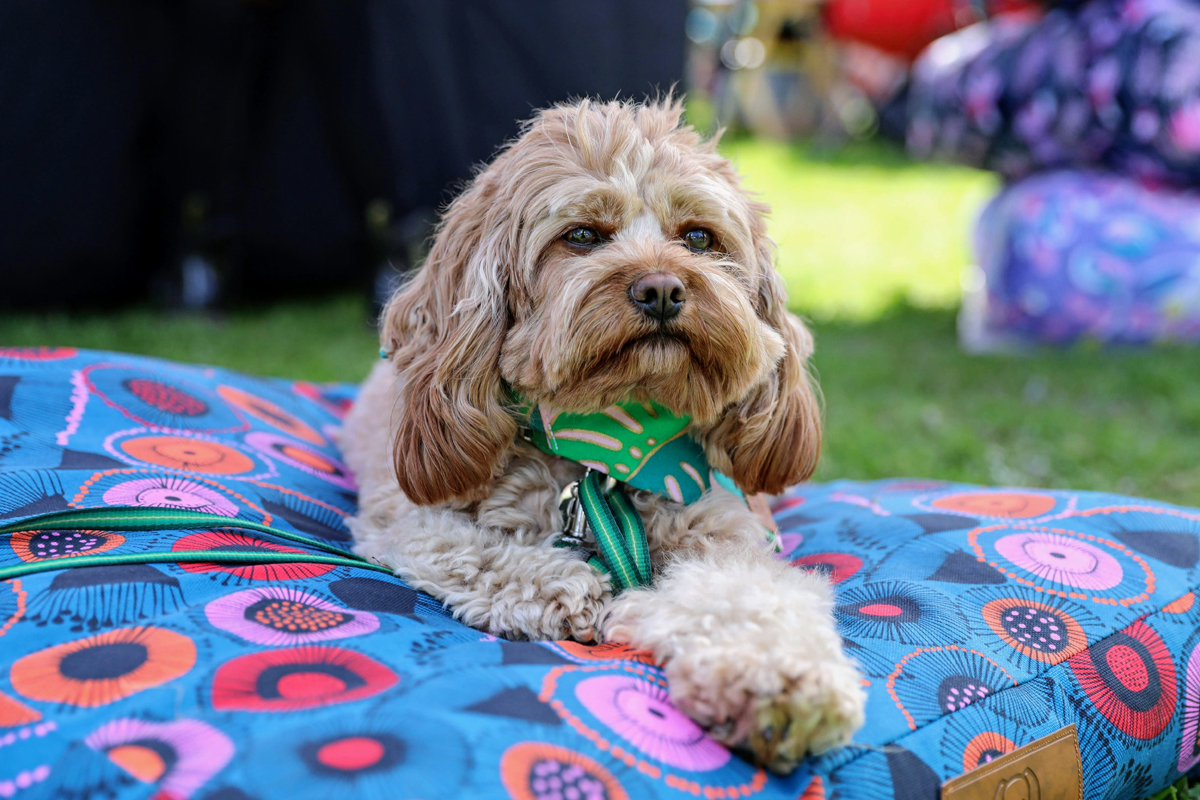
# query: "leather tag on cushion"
[[1046, 769]]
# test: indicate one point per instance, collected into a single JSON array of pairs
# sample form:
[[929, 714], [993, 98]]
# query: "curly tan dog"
[[608, 253]]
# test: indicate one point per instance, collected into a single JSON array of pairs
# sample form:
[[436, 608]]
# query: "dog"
[[608, 252]]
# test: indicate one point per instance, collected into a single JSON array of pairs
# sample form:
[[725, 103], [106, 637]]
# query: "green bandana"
[[640, 444], [644, 445]]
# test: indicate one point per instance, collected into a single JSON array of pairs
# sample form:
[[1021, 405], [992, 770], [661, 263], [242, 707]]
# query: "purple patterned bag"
[[1106, 83], [1067, 256], [1094, 111]]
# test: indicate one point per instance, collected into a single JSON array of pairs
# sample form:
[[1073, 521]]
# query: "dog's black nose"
[[659, 295]]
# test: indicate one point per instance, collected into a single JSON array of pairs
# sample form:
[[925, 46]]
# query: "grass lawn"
[[872, 247], [865, 228]]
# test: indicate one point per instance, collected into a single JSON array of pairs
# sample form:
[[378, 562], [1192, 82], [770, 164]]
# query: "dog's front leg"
[[507, 583], [749, 647]]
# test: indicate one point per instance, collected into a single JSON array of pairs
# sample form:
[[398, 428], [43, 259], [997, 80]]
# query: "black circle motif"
[[103, 661]]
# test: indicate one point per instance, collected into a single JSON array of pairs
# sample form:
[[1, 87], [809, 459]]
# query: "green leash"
[[620, 536], [120, 518], [157, 519], [643, 445], [205, 556]]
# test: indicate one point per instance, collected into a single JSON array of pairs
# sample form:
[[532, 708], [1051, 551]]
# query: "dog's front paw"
[[751, 653], [775, 708], [821, 709], [560, 598]]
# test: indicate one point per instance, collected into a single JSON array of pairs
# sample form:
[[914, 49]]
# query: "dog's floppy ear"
[[444, 331], [772, 438]]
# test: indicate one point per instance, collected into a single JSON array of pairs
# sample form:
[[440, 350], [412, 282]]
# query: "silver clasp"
[[575, 525], [576, 532]]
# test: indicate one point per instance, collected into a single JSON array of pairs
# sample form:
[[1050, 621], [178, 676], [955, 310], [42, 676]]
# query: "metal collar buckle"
[[576, 532]]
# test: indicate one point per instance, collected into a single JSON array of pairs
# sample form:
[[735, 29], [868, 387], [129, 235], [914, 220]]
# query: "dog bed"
[[985, 621]]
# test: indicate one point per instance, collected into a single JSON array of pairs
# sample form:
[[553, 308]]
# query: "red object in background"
[[904, 27]]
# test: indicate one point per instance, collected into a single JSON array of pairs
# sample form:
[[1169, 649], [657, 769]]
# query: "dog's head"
[[607, 253]]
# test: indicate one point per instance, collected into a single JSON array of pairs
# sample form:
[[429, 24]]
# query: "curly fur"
[[460, 507]]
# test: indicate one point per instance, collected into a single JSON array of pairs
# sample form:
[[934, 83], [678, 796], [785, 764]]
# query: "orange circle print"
[[985, 747], [266, 411], [609, 651], [193, 455], [101, 669], [525, 762], [314, 460], [1016, 505]]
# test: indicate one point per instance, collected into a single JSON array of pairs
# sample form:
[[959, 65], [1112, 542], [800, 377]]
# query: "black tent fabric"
[[78, 81], [258, 134], [456, 84]]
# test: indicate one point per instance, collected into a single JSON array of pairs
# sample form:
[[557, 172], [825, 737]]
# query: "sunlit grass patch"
[[865, 228]]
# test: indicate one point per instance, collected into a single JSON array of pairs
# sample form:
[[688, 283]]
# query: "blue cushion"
[[983, 619]]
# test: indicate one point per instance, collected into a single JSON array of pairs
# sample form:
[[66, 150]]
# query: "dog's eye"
[[698, 239], [582, 237]]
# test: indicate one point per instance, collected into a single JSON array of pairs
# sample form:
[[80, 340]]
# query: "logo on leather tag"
[[1048, 769]]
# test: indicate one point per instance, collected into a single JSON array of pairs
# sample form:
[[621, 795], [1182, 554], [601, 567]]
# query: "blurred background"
[[985, 207]]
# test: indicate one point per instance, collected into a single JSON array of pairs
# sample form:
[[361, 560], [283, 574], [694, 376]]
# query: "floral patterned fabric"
[[983, 619], [1069, 251], [1112, 83]]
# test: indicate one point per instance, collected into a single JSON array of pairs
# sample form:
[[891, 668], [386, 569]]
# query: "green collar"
[[644, 445]]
